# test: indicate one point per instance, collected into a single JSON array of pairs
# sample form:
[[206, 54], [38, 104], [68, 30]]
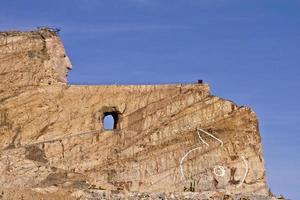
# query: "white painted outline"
[[246, 171], [211, 135], [219, 168], [182, 159], [203, 141]]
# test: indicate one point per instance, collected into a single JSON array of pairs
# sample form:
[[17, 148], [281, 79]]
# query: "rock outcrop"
[[166, 138]]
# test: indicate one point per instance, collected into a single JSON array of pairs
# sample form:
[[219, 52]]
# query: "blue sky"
[[248, 51]]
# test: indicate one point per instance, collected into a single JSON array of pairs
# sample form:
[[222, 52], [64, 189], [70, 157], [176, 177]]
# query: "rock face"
[[166, 138]]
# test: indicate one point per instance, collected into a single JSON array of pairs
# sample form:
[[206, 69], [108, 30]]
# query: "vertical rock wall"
[[168, 138]]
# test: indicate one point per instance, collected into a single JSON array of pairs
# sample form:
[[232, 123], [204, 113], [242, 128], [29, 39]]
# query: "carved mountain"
[[175, 139]]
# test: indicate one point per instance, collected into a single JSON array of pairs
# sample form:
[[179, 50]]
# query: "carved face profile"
[[58, 59]]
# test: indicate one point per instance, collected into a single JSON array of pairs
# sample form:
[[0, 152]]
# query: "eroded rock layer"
[[166, 138]]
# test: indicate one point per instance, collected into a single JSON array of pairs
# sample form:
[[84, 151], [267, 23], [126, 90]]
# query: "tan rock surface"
[[168, 138]]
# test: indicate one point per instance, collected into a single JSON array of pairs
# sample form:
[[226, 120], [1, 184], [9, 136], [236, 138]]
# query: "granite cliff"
[[174, 141]]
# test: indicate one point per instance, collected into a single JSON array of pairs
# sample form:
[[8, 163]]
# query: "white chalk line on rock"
[[204, 142], [211, 135], [246, 171], [218, 170]]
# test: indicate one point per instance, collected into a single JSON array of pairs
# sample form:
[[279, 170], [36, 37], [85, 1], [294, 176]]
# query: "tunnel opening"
[[110, 120]]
